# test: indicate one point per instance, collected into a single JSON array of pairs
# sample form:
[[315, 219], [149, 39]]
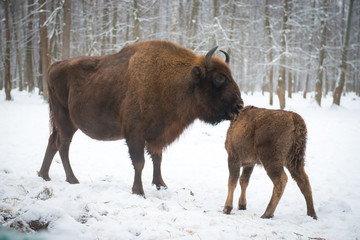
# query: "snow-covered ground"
[[195, 170]]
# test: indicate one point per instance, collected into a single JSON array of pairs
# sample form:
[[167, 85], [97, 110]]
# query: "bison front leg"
[[157, 178], [136, 151], [234, 173]]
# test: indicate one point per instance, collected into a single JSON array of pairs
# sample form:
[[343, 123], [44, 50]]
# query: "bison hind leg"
[[64, 154], [157, 178], [49, 155], [279, 179], [244, 182], [302, 180]]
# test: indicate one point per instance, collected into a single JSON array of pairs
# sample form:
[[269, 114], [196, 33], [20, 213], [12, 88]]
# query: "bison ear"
[[197, 74]]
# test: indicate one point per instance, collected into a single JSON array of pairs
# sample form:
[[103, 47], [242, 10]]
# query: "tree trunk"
[[326, 80], [268, 30], [114, 28], [216, 15], [289, 62], [66, 30], [2, 61], [44, 48], [282, 70], [306, 89], [127, 34], [320, 73], [194, 24], [105, 28], [7, 52], [29, 74], [290, 81], [18, 54], [136, 35], [358, 84], [341, 81], [175, 21], [86, 27]]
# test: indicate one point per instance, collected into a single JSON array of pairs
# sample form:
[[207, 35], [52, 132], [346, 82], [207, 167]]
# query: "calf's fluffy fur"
[[273, 138]]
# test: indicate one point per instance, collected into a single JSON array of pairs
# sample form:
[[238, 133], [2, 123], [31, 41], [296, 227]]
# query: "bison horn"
[[208, 56], [227, 60]]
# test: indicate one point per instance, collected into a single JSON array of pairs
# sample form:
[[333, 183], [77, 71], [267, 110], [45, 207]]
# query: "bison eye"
[[218, 80]]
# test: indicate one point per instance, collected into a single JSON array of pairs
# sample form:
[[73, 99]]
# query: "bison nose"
[[239, 105]]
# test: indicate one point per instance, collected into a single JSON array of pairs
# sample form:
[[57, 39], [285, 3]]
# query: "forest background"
[[275, 46]]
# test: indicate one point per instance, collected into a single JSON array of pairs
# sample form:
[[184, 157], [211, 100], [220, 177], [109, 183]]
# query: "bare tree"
[[105, 26], [7, 52], [114, 26], [309, 50], [320, 72], [282, 70], [341, 81], [175, 20], [270, 42], [136, 35], [45, 61], [266, 52], [16, 25], [66, 29]]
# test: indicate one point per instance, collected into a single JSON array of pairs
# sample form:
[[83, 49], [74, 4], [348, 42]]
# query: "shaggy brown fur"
[[273, 138], [147, 93]]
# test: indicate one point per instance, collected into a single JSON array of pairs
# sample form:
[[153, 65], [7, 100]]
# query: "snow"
[[195, 170]]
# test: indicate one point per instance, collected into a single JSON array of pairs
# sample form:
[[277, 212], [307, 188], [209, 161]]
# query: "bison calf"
[[275, 139]]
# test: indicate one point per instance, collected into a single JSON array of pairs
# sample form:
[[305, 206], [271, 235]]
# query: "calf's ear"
[[197, 74]]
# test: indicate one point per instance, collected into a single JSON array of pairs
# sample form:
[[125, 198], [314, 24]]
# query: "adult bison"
[[147, 93]]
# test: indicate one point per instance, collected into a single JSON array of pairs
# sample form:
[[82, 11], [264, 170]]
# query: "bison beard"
[[147, 93]]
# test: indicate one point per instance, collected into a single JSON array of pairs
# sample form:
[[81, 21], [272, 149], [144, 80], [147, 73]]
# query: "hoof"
[[159, 184], [160, 187], [139, 192], [242, 206], [267, 216], [227, 209], [44, 176], [313, 216], [72, 180]]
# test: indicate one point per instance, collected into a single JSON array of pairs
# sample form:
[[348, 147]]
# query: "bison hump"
[[88, 63]]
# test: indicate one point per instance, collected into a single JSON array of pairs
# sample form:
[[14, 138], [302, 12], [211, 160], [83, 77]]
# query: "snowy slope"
[[195, 170]]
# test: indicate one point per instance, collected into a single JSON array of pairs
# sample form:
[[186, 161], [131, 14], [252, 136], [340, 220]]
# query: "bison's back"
[[106, 94], [257, 134], [91, 89]]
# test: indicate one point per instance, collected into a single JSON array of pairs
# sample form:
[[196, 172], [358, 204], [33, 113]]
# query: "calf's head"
[[217, 95]]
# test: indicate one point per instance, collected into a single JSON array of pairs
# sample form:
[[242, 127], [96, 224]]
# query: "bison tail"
[[296, 158], [52, 124]]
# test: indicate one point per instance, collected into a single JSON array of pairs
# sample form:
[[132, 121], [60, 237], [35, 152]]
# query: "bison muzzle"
[[147, 94]]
